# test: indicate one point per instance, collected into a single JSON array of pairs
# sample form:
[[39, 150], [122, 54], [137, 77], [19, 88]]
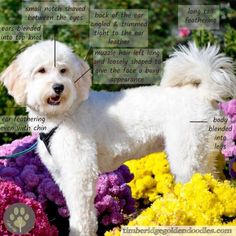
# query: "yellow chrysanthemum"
[[152, 177], [114, 232], [202, 201]]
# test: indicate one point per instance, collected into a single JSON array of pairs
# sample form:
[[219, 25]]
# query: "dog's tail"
[[206, 69]]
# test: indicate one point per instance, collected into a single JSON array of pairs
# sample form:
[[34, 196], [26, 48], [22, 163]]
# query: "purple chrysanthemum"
[[229, 150], [113, 198]]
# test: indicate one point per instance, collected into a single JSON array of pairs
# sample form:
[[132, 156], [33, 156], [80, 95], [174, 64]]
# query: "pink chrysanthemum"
[[10, 194]]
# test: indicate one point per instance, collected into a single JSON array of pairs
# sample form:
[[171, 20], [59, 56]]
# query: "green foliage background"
[[163, 34]]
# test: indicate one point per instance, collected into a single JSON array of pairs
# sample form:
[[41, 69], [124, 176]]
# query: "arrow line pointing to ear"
[[83, 75]]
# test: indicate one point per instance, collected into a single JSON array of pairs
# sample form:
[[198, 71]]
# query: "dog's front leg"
[[79, 175]]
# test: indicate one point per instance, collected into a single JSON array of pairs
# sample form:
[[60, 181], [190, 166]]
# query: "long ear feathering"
[[13, 79], [85, 80], [207, 69]]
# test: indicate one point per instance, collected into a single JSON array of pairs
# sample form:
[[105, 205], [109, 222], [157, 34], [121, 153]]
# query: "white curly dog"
[[91, 132]]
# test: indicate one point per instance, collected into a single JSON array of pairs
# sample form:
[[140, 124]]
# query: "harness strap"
[[45, 137]]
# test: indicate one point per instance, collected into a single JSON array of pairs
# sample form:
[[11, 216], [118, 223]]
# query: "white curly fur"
[[98, 131]]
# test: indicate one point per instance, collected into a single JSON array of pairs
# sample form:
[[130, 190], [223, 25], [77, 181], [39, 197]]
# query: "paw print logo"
[[19, 218]]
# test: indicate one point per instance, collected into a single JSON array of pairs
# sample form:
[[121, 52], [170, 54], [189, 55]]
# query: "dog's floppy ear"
[[14, 82], [84, 83]]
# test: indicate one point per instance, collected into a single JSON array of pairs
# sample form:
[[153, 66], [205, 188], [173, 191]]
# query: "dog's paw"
[[74, 232]]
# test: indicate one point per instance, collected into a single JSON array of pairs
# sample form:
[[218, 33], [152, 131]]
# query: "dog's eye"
[[196, 83], [63, 71], [227, 98], [42, 70]]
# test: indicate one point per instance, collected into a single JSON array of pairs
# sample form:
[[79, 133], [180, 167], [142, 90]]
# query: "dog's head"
[[43, 78], [207, 70]]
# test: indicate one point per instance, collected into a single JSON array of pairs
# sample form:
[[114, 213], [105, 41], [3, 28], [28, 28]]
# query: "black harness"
[[45, 137]]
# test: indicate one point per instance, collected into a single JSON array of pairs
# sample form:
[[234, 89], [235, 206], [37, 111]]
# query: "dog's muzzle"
[[56, 99]]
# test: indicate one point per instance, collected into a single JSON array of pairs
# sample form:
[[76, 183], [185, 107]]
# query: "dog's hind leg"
[[186, 146]]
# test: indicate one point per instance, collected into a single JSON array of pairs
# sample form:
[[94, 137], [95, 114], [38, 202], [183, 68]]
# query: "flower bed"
[[113, 200], [202, 201]]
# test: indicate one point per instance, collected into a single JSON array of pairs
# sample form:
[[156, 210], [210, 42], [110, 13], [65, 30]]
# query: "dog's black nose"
[[58, 88]]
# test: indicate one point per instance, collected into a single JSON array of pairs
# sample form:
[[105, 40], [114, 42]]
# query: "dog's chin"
[[54, 105], [55, 110]]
